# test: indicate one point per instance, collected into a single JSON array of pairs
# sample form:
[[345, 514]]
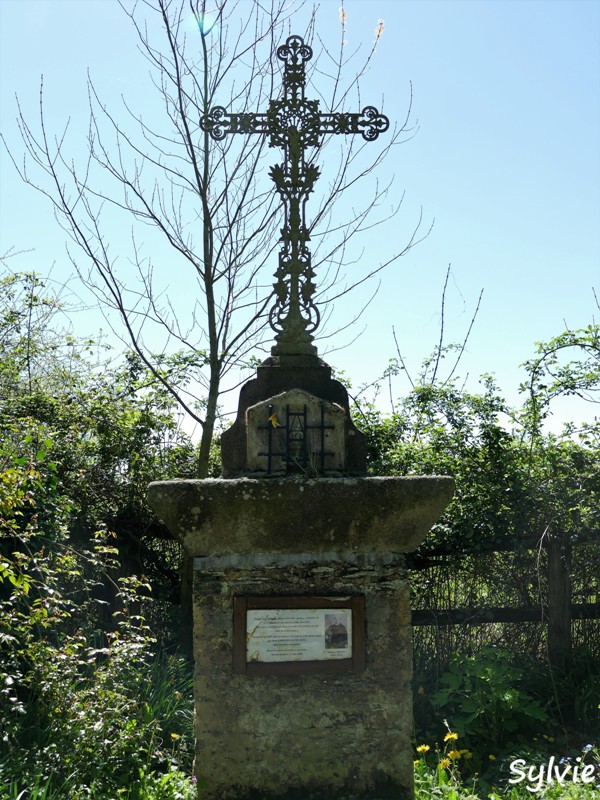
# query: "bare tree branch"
[[209, 205]]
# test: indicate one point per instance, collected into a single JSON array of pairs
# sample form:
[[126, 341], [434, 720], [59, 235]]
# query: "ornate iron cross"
[[294, 124]]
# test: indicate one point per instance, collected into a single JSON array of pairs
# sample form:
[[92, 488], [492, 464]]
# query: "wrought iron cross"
[[294, 124]]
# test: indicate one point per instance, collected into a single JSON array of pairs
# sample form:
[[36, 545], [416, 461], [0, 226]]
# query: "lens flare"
[[203, 22]]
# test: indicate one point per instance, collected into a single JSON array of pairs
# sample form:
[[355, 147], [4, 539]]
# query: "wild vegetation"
[[95, 697], [90, 705], [494, 687]]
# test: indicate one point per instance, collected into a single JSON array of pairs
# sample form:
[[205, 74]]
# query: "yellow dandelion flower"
[[175, 736], [417, 761], [423, 748], [444, 763], [454, 755], [492, 757], [450, 737], [466, 753]]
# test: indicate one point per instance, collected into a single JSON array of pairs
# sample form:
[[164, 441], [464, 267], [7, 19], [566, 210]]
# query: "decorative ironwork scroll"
[[294, 124]]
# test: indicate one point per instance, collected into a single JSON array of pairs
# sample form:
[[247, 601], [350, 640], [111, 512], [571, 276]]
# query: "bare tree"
[[211, 202]]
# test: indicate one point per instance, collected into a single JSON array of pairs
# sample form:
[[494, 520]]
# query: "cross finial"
[[294, 124]]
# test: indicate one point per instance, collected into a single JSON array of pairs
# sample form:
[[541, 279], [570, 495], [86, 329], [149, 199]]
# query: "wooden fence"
[[557, 612]]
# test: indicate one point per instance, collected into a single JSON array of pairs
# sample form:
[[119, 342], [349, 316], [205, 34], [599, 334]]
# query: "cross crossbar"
[[369, 122]]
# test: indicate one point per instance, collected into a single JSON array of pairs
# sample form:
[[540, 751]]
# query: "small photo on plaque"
[[292, 635], [336, 631]]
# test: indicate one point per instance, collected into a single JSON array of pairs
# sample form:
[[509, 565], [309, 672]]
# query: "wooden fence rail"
[[481, 616], [557, 612]]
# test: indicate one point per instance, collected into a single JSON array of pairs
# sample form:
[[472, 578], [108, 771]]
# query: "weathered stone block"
[[290, 515], [282, 375], [342, 736], [329, 734]]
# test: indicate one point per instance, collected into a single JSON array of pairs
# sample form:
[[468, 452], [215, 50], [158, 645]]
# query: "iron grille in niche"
[[290, 439]]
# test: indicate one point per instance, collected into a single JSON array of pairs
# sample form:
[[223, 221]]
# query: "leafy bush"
[[81, 711], [482, 699], [85, 720]]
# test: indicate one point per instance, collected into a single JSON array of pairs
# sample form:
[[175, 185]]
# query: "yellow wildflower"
[[492, 757], [450, 737], [175, 736], [454, 755], [466, 753], [417, 761], [423, 748], [444, 763]]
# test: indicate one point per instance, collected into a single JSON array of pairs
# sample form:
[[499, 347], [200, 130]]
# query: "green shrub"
[[482, 699], [80, 713]]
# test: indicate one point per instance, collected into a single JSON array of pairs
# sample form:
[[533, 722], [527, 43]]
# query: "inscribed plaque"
[[298, 634]]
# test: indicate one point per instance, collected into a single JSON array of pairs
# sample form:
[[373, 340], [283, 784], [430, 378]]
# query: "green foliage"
[[76, 717], [114, 425], [87, 727], [572, 695], [453, 772], [512, 482], [94, 425], [432, 782], [445, 431], [441, 771], [88, 707], [551, 373], [482, 699]]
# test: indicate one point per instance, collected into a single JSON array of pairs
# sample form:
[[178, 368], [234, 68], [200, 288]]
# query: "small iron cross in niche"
[[294, 124]]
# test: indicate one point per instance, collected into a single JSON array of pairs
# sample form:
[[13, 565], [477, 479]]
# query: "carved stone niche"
[[296, 432], [311, 379]]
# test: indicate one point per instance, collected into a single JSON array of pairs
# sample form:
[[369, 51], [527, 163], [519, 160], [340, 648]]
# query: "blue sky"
[[506, 160]]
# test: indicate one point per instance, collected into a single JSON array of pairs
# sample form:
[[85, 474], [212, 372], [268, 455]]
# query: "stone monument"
[[302, 637]]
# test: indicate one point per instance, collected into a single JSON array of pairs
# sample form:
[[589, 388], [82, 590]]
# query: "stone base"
[[322, 735], [344, 736]]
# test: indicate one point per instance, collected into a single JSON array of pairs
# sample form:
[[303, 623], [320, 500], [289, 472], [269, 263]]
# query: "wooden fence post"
[[559, 600]]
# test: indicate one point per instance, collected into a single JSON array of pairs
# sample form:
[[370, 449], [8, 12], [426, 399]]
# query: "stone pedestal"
[[313, 735]]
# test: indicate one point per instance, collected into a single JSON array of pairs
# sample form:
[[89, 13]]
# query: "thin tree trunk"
[[187, 565]]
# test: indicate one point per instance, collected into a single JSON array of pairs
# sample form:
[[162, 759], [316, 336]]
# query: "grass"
[[446, 772], [439, 775], [429, 785]]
